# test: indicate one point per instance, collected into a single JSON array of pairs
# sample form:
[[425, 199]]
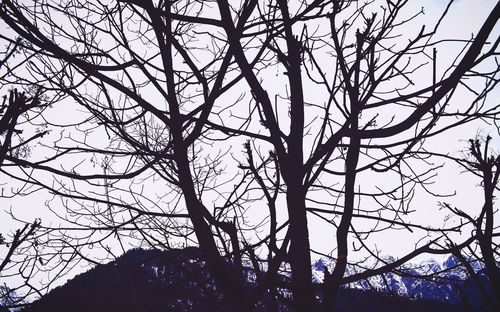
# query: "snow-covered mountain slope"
[[443, 281], [178, 280]]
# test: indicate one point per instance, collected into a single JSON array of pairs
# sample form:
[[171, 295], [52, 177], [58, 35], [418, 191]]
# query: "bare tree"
[[485, 165], [319, 93], [16, 111]]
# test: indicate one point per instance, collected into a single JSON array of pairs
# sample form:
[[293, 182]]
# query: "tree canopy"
[[241, 127]]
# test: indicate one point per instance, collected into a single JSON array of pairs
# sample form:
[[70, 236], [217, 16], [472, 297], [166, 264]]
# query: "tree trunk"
[[300, 261], [485, 237], [230, 282]]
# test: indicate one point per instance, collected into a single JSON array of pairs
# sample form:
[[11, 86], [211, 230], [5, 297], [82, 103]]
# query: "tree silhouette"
[[15, 112], [320, 94], [484, 164]]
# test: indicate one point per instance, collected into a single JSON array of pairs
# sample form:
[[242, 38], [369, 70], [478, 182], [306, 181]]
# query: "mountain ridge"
[[177, 280]]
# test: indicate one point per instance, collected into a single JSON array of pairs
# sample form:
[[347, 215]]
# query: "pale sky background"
[[465, 18]]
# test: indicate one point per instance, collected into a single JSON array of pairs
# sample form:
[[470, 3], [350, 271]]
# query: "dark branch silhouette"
[[234, 126]]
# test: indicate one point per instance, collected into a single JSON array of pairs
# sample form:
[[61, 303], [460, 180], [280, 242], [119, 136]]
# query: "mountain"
[[446, 282], [139, 280], [9, 298], [177, 280]]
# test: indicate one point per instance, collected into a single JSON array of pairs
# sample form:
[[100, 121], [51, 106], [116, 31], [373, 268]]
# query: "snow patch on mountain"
[[428, 279]]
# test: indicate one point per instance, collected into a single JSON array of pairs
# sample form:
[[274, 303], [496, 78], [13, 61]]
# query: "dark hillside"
[[176, 280]]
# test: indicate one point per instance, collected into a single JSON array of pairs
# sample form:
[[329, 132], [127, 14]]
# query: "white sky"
[[465, 18]]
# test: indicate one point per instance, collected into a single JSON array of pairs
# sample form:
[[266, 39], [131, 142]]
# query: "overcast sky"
[[465, 18]]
